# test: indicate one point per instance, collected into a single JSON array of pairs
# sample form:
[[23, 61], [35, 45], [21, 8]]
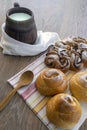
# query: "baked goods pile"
[[64, 110], [70, 53]]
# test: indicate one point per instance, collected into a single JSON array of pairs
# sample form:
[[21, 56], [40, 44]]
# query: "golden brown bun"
[[64, 111], [78, 86], [51, 81]]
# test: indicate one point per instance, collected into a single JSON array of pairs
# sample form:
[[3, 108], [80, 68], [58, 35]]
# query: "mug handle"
[[16, 5]]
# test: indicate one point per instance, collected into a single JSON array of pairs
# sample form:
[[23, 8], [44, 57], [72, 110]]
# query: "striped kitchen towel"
[[34, 99]]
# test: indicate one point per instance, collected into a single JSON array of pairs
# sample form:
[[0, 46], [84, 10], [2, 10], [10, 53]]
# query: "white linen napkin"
[[13, 47]]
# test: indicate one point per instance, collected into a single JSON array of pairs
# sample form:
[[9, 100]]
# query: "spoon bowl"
[[25, 79]]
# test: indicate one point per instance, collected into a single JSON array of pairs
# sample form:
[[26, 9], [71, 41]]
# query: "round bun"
[[51, 81], [64, 111], [78, 86]]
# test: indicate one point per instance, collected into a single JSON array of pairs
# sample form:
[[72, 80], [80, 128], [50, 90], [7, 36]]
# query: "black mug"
[[23, 30]]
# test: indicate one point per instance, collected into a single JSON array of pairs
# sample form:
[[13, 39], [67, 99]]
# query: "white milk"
[[20, 16]]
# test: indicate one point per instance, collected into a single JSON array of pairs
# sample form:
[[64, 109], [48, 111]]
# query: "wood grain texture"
[[67, 18]]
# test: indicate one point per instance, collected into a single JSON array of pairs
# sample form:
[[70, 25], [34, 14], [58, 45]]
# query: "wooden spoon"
[[25, 79]]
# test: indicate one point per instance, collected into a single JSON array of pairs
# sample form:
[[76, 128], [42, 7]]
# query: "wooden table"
[[67, 18]]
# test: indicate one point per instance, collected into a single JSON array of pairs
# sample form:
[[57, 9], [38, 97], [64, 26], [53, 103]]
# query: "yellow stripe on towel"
[[41, 105], [35, 99]]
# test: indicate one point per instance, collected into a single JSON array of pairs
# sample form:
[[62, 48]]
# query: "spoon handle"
[[6, 100]]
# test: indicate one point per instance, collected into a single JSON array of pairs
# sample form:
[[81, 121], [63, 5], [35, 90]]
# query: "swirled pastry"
[[78, 86], [76, 62], [84, 57], [64, 111], [57, 58], [51, 81], [70, 53]]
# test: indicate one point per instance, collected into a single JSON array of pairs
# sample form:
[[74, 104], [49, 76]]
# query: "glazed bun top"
[[53, 75], [67, 104]]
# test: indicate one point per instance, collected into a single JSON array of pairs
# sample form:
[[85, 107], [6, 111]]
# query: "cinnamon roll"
[[78, 86], [79, 40], [64, 111], [76, 62], [52, 61], [58, 58], [83, 48], [84, 57], [70, 53], [51, 82]]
